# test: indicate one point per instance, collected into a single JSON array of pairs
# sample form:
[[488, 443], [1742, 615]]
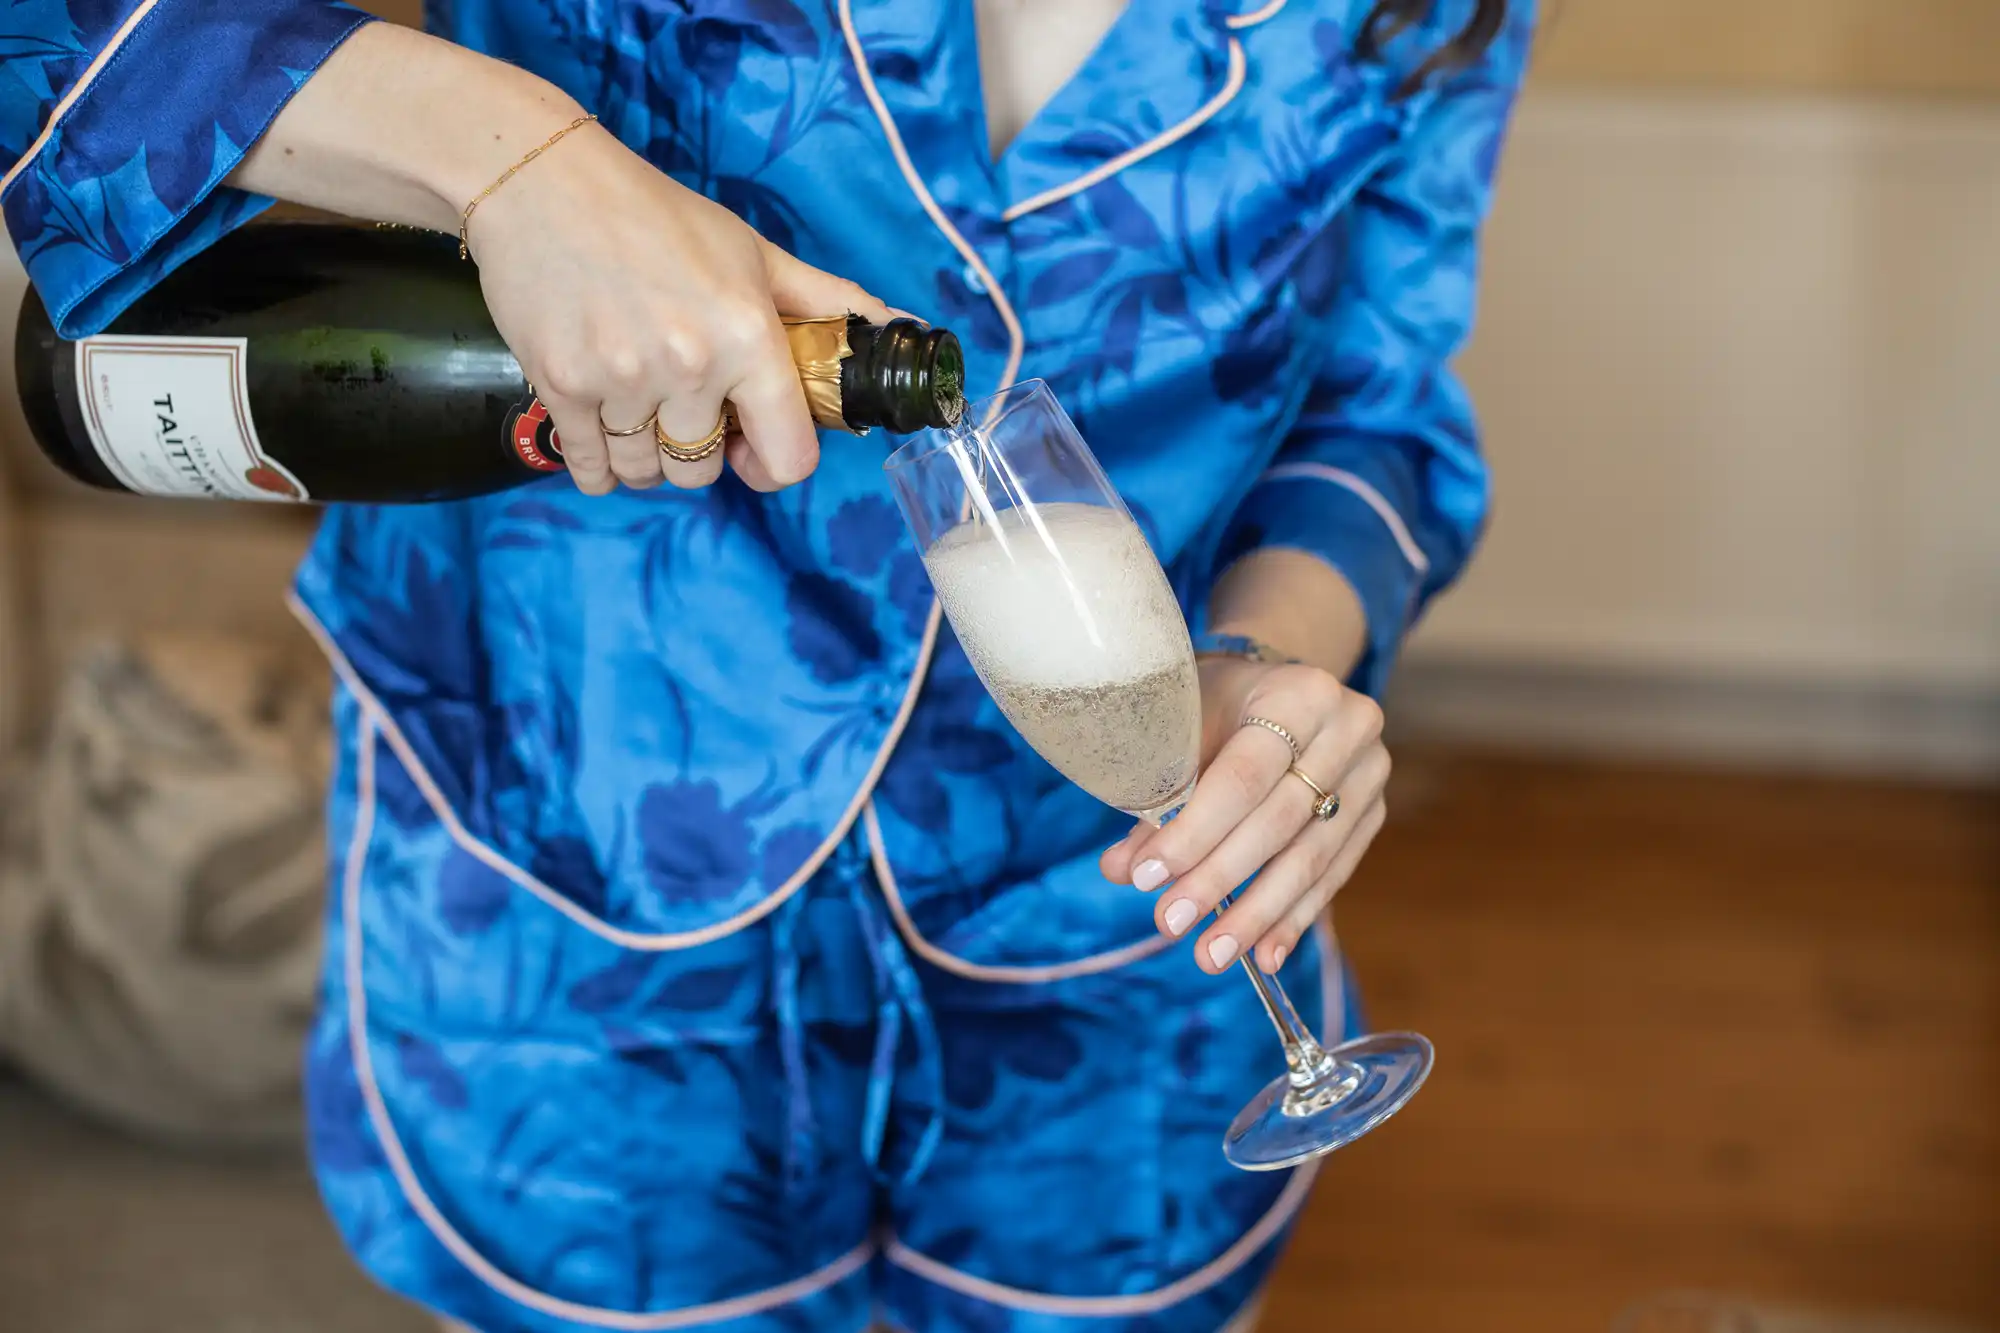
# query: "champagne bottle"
[[320, 362]]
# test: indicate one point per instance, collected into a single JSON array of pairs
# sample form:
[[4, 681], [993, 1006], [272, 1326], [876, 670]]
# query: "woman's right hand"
[[621, 292]]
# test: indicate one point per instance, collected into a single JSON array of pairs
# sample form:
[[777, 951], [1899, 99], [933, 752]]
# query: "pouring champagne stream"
[[1072, 626]]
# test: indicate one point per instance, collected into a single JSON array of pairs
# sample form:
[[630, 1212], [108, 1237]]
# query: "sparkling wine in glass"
[[1073, 628]]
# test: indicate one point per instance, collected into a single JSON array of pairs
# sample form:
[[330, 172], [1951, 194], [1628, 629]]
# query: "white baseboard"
[[1928, 734]]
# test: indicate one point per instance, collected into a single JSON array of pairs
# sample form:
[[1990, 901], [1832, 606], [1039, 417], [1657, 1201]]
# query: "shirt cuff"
[[1347, 521], [128, 183]]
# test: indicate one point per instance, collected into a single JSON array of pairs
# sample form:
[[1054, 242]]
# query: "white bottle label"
[[171, 416]]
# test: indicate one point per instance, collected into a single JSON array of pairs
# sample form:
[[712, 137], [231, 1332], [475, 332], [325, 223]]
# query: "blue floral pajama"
[[706, 948], [800, 1124]]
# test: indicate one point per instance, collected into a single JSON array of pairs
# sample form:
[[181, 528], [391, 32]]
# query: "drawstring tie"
[[801, 1151], [900, 1010], [898, 998]]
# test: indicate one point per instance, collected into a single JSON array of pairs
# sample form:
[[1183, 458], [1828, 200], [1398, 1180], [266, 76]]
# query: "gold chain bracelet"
[[465, 218]]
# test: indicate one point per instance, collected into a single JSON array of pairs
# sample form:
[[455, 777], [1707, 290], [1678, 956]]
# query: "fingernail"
[[905, 314], [1180, 915], [1278, 957], [1222, 950], [1151, 875]]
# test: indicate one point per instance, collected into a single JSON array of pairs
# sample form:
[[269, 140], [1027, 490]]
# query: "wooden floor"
[[1694, 1031]]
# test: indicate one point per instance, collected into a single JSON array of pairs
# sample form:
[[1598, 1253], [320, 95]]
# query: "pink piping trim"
[[885, 874], [1374, 499], [1016, 347], [1238, 68], [77, 90], [1255, 16], [1238, 71], [1334, 1006], [637, 941], [406, 1177], [1016, 339]]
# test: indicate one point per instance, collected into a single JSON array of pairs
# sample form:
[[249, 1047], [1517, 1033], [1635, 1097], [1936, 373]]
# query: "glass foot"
[[1356, 1088]]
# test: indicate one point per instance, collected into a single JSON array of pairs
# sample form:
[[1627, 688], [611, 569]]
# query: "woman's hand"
[[621, 292], [1251, 815]]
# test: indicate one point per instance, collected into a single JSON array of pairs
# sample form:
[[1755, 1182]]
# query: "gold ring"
[[1278, 731], [1327, 803], [647, 424], [676, 452]]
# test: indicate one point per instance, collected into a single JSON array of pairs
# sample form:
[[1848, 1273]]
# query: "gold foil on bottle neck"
[[819, 345]]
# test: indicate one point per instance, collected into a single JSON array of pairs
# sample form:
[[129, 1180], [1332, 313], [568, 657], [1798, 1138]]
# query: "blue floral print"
[[705, 947]]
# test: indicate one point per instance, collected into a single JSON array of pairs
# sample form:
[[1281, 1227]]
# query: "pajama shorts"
[[818, 1120]]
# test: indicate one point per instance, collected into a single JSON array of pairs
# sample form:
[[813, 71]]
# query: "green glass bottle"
[[322, 362]]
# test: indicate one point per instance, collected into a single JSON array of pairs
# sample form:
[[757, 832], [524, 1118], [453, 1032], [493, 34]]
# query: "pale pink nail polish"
[[1278, 957], [1222, 950], [1180, 915], [1150, 875]]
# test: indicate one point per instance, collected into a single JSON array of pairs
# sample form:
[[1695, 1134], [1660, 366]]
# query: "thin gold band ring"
[[1326, 804], [642, 427]]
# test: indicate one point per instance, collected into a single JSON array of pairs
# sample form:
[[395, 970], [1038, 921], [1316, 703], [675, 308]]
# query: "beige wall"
[[1947, 47], [1739, 362]]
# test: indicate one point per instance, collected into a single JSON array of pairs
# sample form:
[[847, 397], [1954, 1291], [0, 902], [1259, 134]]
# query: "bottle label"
[[171, 416], [533, 436]]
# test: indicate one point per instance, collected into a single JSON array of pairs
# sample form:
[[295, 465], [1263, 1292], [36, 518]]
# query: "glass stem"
[[1305, 1059], [1310, 1068]]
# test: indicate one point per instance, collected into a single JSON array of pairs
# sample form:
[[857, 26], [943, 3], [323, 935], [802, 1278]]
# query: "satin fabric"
[[695, 910]]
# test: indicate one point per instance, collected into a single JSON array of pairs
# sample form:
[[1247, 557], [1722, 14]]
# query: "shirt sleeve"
[[119, 120], [1382, 476]]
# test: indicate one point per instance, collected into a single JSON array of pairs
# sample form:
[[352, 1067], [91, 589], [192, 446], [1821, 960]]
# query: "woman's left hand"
[[1251, 815]]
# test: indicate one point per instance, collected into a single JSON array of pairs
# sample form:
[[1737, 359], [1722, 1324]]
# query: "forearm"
[[398, 126], [1296, 603]]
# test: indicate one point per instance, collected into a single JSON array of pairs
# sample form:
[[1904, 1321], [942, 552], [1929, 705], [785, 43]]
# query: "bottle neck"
[[901, 376]]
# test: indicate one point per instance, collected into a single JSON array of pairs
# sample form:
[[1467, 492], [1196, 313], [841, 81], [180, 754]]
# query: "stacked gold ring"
[[675, 451]]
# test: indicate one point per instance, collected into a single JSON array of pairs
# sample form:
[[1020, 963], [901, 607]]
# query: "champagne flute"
[[1073, 628]]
